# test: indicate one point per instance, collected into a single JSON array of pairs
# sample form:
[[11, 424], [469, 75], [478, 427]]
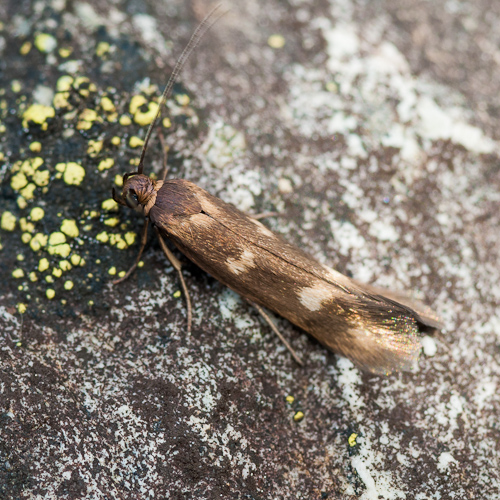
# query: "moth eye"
[[131, 199]]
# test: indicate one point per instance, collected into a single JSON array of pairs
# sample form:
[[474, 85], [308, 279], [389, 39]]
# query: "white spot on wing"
[[313, 297], [241, 264]]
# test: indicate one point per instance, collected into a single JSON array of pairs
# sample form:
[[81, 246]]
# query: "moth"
[[378, 330]]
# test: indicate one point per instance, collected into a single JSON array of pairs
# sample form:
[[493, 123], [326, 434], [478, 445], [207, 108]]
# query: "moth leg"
[[144, 239], [164, 149], [177, 266], [263, 215], [278, 333]]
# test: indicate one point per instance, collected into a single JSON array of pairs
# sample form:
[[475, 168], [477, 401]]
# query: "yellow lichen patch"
[[57, 272], [43, 265], [65, 83], [136, 102], [102, 49], [167, 123], [94, 213], [20, 257], [21, 308], [144, 112], [107, 105], [38, 241], [118, 241], [125, 120], [115, 140], [105, 164], [112, 270], [26, 227], [276, 41], [18, 181], [87, 118], [134, 162], [141, 264], [16, 86], [121, 274], [61, 100], [2, 156], [109, 205], [21, 202], [352, 439], [45, 43], [41, 177], [84, 86], [26, 238], [112, 222], [130, 238], [18, 273], [103, 237], [25, 48], [64, 265], [69, 228], [49, 279], [27, 192], [65, 51], [56, 238], [76, 260], [290, 399], [119, 180], [37, 214], [50, 293], [182, 99], [74, 174], [62, 250], [68, 285], [176, 294], [298, 416], [38, 113], [94, 148], [33, 277], [135, 142], [8, 221], [35, 146]]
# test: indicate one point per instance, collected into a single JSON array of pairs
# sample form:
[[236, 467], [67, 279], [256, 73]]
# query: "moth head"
[[138, 193]]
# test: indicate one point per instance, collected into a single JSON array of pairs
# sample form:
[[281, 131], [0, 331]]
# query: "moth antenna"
[[195, 39]]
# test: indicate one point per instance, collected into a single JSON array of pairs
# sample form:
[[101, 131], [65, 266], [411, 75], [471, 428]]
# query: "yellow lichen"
[[298, 416], [61, 100], [115, 140], [87, 118], [105, 164], [65, 83], [38, 241], [109, 205], [290, 399], [26, 237], [33, 277], [56, 238], [94, 147], [276, 41], [102, 237], [130, 237], [45, 43], [38, 113], [16, 86], [65, 51], [182, 99], [167, 123], [41, 177], [57, 272], [21, 202], [121, 274], [21, 308], [68, 285], [62, 250], [107, 105], [102, 49], [18, 273], [135, 142], [74, 174], [49, 279], [125, 120], [8, 221], [26, 226], [76, 259], [43, 265], [27, 192], [64, 265], [18, 181], [37, 214], [119, 180], [176, 294], [50, 293], [35, 146], [112, 222], [112, 271], [69, 228], [25, 48], [141, 264]]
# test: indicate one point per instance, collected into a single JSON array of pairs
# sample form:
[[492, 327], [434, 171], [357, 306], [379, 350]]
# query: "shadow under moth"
[[378, 330]]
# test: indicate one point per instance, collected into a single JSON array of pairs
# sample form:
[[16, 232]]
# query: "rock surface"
[[371, 127]]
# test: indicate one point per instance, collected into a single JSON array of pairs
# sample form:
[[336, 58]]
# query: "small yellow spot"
[[18, 181], [290, 399], [106, 164], [26, 226], [115, 140], [33, 277], [112, 271], [60, 167], [50, 293], [45, 42], [107, 104], [64, 265], [38, 113], [332, 87], [21, 308], [130, 237], [87, 227], [38, 241], [65, 52], [68, 285], [112, 222], [141, 264], [69, 228], [102, 49], [20, 257], [167, 123], [49, 279], [41, 177], [276, 41], [63, 302], [25, 238], [21, 202], [62, 250], [94, 213], [136, 102], [57, 272], [119, 180], [182, 99], [87, 118], [102, 237], [134, 161], [121, 274], [61, 100], [27, 192], [177, 294], [74, 174], [16, 86], [298, 416], [352, 439], [65, 83], [8, 221], [37, 214], [75, 259], [125, 120], [18, 273], [2, 156], [90, 275], [25, 48], [135, 142], [90, 302], [94, 147], [20, 288], [36, 146], [109, 205], [56, 238], [43, 264]]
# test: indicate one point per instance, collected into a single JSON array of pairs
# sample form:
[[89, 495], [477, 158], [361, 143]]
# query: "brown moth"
[[376, 329]]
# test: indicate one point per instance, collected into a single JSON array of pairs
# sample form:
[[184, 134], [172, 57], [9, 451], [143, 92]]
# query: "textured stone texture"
[[373, 131]]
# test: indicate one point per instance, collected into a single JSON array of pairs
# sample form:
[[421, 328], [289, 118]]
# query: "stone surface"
[[371, 127]]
